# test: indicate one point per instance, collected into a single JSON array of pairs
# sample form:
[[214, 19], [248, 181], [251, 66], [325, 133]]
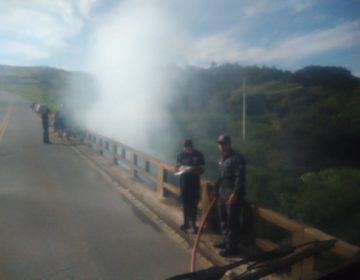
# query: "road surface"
[[59, 219]]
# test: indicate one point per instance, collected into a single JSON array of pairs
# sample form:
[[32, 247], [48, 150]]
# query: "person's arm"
[[202, 163], [199, 168], [239, 183], [217, 184], [178, 163]]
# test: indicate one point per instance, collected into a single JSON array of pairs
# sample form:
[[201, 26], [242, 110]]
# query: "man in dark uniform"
[[190, 165], [45, 125], [230, 192]]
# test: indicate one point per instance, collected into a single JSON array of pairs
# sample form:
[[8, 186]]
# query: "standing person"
[[45, 125], [61, 121], [190, 165], [57, 123], [230, 192]]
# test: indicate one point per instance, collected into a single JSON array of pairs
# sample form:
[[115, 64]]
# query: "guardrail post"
[[89, 139], [160, 181], [204, 202], [304, 269], [93, 142], [133, 165], [297, 238], [114, 153], [123, 153], [100, 147], [85, 138]]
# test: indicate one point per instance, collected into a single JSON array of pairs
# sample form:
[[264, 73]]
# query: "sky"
[[287, 34]]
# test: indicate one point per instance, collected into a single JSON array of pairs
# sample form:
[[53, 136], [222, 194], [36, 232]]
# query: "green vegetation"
[[338, 187]]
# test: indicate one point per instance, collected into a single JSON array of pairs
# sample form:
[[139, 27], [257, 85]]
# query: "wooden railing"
[[300, 234], [157, 174]]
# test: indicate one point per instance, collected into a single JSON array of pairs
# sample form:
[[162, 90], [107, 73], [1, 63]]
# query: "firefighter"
[[45, 125], [190, 165], [230, 194]]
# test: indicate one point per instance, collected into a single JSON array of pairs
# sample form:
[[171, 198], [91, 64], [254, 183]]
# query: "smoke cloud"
[[132, 54]]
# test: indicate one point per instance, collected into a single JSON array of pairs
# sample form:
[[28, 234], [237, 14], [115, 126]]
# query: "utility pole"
[[244, 110]]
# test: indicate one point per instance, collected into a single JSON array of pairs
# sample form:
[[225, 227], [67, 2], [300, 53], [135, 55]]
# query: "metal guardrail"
[[140, 165]]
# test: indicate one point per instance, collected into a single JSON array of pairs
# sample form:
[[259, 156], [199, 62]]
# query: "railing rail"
[[158, 172]]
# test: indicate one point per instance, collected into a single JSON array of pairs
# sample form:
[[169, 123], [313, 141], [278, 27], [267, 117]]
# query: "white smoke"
[[131, 55]]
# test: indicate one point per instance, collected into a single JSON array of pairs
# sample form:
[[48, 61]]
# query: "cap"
[[223, 139], [188, 143]]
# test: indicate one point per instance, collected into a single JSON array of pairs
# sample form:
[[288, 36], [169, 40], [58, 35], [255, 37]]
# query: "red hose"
[[197, 239]]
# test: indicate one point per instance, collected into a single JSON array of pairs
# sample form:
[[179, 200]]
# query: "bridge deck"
[[61, 220]]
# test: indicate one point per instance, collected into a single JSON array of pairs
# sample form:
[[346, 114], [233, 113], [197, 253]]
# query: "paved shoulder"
[[61, 220]]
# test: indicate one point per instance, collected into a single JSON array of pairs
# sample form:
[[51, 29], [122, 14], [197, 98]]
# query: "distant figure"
[[230, 193], [45, 124], [57, 123], [62, 122], [190, 165]]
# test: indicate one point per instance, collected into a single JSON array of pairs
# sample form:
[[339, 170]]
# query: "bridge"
[[94, 208]]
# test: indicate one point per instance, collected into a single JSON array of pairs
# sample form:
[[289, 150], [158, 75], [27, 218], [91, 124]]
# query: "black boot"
[[226, 253], [194, 230], [219, 245], [184, 227]]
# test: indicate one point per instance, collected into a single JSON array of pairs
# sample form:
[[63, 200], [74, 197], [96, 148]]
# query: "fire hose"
[[261, 264], [198, 235], [216, 272]]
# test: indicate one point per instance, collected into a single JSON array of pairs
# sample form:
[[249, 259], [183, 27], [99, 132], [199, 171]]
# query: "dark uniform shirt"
[[190, 181], [232, 169]]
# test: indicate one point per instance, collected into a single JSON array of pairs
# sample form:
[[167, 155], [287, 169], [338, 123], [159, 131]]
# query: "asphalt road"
[[59, 219]]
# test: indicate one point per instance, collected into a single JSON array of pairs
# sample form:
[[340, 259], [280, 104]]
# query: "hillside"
[[47, 85], [315, 110]]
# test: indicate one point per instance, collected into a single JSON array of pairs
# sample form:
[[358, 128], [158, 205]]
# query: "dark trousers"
[[46, 135], [190, 211], [229, 215]]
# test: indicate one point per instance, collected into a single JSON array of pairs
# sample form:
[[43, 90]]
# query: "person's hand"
[[232, 198], [213, 195], [197, 170]]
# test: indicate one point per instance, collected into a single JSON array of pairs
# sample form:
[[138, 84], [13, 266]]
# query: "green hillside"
[[46, 85]]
